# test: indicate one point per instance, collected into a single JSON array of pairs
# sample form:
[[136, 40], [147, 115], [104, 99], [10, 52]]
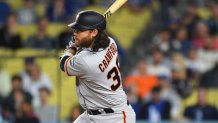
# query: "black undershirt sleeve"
[[63, 60]]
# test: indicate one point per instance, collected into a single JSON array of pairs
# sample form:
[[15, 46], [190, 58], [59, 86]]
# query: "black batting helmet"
[[89, 20]]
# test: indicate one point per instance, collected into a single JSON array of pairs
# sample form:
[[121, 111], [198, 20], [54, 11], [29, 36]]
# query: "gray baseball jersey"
[[99, 81]]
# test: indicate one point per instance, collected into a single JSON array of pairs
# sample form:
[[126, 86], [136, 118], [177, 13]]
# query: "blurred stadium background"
[[168, 51]]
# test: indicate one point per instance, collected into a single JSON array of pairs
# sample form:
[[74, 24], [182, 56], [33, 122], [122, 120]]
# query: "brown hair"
[[101, 41]]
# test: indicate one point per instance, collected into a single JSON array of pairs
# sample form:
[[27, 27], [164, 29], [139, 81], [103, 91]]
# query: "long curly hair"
[[101, 41]]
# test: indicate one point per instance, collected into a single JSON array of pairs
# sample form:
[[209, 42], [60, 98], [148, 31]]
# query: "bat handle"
[[107, 14]]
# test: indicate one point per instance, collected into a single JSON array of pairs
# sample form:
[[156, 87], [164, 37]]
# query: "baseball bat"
[[114, 7]]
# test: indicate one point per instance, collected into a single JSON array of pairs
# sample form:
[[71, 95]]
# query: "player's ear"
[[94, 33]]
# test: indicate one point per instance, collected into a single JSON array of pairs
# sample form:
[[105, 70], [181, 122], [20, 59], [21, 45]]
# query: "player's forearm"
[[69, 51]]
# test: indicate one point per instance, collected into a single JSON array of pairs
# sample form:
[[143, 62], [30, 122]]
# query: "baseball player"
[[93, 59]]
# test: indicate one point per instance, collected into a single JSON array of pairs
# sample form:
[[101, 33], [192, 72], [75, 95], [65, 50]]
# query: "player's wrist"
[[73, 50]]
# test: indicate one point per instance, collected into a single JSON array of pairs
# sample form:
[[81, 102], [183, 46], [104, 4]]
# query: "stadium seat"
[[49, 65], [27, 30], [13, 65], [64, 93], [212, 93], [54, 29], [204, 13], [29, 52], [68, 94], [5, 52], [15, 4]]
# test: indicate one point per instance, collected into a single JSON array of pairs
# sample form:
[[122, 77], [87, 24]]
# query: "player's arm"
[[69, 52], [73, 65], [62, 61]]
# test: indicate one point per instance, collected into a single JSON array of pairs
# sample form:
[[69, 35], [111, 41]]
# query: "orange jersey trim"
[[124, 117], [65, 66]]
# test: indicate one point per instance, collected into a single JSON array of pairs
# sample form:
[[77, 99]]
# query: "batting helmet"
[[89, 20]]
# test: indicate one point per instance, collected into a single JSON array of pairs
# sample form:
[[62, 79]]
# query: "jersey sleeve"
[[75, 66]]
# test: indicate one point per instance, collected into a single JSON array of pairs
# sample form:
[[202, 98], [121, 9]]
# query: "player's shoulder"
[[84, 54], [84, 51], [112, 40]]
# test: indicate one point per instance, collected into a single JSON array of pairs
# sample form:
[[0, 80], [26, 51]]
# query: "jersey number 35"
[[114, 74]]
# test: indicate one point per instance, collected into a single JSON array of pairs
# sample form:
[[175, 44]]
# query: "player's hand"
[[71, 48]]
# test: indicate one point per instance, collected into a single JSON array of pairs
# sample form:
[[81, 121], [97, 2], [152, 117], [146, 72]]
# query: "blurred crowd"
[[57, 11], [181, 57], [42, 13], [24, 96]]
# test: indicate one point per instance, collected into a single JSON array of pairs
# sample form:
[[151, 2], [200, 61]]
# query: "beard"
[[85, 42]]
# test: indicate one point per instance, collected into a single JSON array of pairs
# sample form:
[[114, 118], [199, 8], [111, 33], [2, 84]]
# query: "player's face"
[[83, 38]]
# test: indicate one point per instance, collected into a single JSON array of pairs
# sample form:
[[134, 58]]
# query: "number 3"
[[116, 77]]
